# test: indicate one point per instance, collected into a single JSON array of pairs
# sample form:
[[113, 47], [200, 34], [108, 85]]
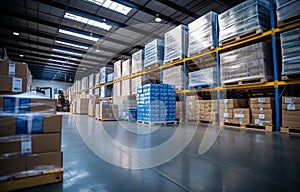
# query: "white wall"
[[54, 84]]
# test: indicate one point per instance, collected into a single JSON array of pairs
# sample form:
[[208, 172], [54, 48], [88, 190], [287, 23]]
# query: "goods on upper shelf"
[[253, 62], [84, 83], [290, 50], [204, 77], [126, 68], [176, 42], [117, 69], [104, 72], [126, 87], [243, 18], [174, 76], [91, 83], [106, 91], [287, 10], [137, 61], [202, 33], [117, 89], [136, 82], [153, 53], [291, 112]]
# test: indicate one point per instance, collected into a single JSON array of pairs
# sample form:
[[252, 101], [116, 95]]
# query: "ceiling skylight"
[[91, 38], [112, 6], [65, 57], [87, 21], [67, 52], [71, 44], [60, 61]]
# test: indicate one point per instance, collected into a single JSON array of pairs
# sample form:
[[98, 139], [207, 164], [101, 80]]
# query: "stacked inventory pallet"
[[156, 104], [91, 83], [97, 82], [153, 57], [30, 136], [290, 115], [287, 12], [93, 100], [137, 67], [117, 90], [174, 76], [204, 78], [192, 108], [82, 104], [126, 84], [105, 111], [175, 44], [245, 20], [228, 109], [125, 105], [106, 75]]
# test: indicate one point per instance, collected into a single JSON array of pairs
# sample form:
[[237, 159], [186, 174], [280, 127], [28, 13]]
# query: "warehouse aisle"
[[239, 160]]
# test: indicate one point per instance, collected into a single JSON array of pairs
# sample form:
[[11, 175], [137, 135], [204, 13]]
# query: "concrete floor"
[[238, 160]]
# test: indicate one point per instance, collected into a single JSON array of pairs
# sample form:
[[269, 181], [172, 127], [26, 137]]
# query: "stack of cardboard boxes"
[[30, 135], [191, 109], [126, 71], [105, 111], [211, 111], [262, 110], [82, 104], [291, 112], [179, 110], [92, 105], [14, 77], [230, 107], [200, 112], [123, 104]]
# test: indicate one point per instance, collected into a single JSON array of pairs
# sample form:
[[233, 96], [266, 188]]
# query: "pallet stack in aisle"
[[230, 107], [202, 34], [192, 108], [247, 19], [93, 100], [290, 54], [105, 111], [30, 141], [156, 104], [176, 41], [241, 116], [290, 114], [14, 77], [82, 104], [287, 11], [250, 64]]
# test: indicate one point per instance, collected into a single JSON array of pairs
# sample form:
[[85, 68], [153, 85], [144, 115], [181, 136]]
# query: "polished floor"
[[120, 156]]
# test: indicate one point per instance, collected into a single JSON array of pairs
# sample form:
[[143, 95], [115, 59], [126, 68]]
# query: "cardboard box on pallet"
[[29, 124], [13, 85], [200, 109], [262, 110], [27, 103], [117, 69], [233, 103], [291, 112], [34, 163], [106, 110], [30, 144], [92, 106], [191, 108], [179, 110], [241, 116]]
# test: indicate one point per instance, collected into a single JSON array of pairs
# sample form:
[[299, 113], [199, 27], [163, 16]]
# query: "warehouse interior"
[[149, 95]]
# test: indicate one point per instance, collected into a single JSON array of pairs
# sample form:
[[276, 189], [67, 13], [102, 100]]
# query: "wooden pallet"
[[153, 66], [290, 130], [246, 82], [202, 86], [105, 119], [269, 128], [207, 122], [290, 77], [158, 123], [32, 180], [288, 21], [240, 37], [173, 60]]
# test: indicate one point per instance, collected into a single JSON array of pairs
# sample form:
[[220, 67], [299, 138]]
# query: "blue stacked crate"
[[156, 103]]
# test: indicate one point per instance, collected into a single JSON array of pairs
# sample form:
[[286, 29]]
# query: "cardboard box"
[[262, 121], [12, 165], [178, 110], [261, 100], [8, 103], [288, 100], [226, 114], [286, 112], [39, 143], [12, 85], [261, 111], [267, 117], [262, 105], [233, 103], [291, 107], [48, 160], [30, 124], [13, 69], [291, 124], [191, 108], [241, 115], [293, 118]]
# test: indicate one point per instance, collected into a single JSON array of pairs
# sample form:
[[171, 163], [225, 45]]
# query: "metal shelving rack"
[[275, 84]]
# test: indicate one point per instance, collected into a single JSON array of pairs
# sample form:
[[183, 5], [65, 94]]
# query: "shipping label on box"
[[290, 100]]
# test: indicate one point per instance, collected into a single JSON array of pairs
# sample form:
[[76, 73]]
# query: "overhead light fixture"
[[91, 38], [70, 79], [64, 57], [21, 55], [84, 68], [157, 18], [60, 61], [97, 50], [16, 33], [87, 21], [67, 52], [71, 44], [112, 6]]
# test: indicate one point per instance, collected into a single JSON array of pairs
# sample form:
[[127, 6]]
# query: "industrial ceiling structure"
[[59, 39]]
